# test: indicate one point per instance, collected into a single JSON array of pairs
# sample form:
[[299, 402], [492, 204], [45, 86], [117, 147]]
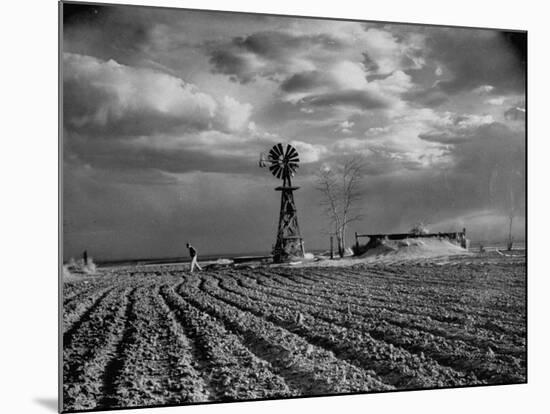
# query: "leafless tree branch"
[[341, 191]]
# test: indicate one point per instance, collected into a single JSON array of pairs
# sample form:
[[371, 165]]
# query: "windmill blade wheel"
[[284, 161]]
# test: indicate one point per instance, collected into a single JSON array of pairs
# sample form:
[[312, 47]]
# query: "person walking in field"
[[193, 254]]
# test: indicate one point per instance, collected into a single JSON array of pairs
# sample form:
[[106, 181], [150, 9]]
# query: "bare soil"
[[155, 335]]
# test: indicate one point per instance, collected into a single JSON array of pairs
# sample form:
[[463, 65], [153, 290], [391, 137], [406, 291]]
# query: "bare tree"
[[507, 180], [506, 186], [419, 228], [511, 214], [341, 189], [512, 205]]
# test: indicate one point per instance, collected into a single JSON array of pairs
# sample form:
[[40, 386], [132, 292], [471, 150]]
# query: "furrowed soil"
[[156, 335]]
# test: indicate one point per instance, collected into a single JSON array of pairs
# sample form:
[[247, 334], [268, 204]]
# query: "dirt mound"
[[75, 270], [412, 248]]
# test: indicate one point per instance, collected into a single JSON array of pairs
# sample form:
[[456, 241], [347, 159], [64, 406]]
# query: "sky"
[[165, 113]]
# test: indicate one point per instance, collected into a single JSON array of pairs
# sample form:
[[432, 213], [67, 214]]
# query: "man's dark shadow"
[[49, 403]]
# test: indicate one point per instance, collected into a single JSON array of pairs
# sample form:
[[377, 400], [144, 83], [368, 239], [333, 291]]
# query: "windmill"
[[283, 163]]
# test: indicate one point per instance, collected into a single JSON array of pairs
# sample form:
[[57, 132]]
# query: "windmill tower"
[[283, 164]]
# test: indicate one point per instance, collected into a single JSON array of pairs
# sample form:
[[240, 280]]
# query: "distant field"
[[139, 336]]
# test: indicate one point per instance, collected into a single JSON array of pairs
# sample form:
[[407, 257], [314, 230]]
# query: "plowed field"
[[154, 335]]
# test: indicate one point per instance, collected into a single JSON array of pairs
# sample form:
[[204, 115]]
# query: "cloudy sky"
[[165, 113]]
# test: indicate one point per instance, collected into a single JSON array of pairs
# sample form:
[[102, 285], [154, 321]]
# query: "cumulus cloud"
[[483, 89], [135, 118], [270, 54], [307, 70], [350, 145], [233, 114], [373, 131], [305, 81], [105, 94], [386, 54], [308, 153], [125, 101], [496, 101], [346, 85], [349, 75], [241, 67], [343, 75], [314, 89], [454, 128], [345, 126], [395, 84]]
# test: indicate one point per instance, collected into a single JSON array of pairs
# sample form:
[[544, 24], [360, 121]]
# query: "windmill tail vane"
[[263, 160]]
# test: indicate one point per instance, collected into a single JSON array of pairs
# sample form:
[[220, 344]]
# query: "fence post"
[[356, 244], [331, 249]]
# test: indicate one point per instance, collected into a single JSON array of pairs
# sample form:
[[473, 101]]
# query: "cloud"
[[121, 117], [385, 53], [350, 146], [304, 81], [351, 98], [486, 61], [373, 131], [338, 76], [349, 75], [430, 97], [322, 69], [327, 71], [515, 113], [106, 96], [483, 89], [496, 101], [233, 114], [125, 101], [345, 126], [490, 154], [206, 151], [395, 84], [455, 129], [344, 84], [269, 54], [277, 44], [308, 153], [241, 67]]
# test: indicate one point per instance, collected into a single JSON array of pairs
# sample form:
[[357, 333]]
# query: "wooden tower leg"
[[289, 240]]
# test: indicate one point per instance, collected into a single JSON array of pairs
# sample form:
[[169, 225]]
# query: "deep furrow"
[[233, 371], [114, 366], [92, 346], [153, 364], [440, 326], [437, 313], [73, 320], [383, 365], [188, 372], [311, 369], [454, 331], [413, 341], [69, 298]]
